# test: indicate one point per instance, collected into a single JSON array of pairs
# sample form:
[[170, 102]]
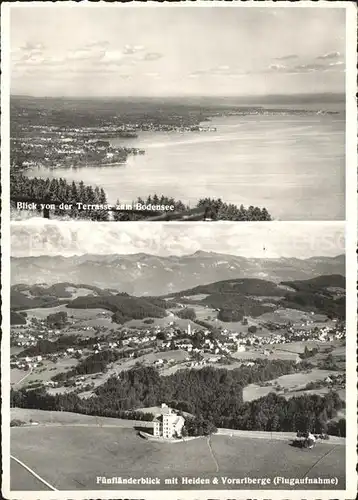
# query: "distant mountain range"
[[143, 274]]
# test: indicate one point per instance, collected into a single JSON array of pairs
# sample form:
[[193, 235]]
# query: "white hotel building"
[[168, 424]]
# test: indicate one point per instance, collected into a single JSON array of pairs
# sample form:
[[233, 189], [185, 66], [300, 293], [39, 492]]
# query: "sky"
[[167, 50], [37, 236]]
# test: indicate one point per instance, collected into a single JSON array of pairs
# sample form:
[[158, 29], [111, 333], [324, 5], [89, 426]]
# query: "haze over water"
[[292, 165]]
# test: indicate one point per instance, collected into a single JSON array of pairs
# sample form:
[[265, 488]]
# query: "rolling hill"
[[233, 299]]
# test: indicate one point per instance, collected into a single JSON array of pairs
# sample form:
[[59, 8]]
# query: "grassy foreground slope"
[[70, 457]]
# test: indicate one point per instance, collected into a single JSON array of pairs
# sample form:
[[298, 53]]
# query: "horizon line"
[[119, 96], [172, 255]]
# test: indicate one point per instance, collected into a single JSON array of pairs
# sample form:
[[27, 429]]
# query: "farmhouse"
[[168, 424]]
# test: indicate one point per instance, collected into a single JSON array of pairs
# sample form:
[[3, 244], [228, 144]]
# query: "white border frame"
[[351, 263]]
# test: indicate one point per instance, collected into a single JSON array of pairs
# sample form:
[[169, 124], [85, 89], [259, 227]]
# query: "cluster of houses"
[[338, 379], [57, 150], [29, 335], [31, 362], [310, 331]]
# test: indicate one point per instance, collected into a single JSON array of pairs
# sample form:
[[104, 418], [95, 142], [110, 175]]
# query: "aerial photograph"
[[117, 113], [177, 356]]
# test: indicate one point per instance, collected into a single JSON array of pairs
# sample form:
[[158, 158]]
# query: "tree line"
[[216, 209], [123, 306], [56, 191]]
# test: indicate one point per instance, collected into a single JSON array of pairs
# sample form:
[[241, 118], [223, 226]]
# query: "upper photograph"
[[176, 112]]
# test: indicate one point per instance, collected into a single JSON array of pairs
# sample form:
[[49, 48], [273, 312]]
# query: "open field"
[[339, 351], [292, 382], [43, 312], [297, 347], [17, 375], [198, 296], [71, 457], [78, 292], [259, 354], [82, 317], [42, 373], [162, 322], [44, 417], [24, 479], [282, 316], [203, 313], [148, 359], [322, 391]]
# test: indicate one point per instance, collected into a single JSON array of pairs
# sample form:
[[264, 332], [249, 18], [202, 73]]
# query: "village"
[[36, 343], [66, 147], [74, 148]]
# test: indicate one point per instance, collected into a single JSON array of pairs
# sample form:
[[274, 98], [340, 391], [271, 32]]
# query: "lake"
[[292, 165]]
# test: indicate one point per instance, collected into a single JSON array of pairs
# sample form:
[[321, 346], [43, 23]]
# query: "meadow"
[[71, 457], [292, 384]]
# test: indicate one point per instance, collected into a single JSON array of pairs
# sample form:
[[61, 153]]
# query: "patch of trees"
[[216, 209], [236, 298], [198, 426], [319, 303], [318, 283], [187, 313], [157, 301], [275, 413], [247, 286], [17, 318], [57, 320], [15, 422], [233, 307], [329, 363], [150, 200], [57, 290], [208, 392], [58, 191], [123, 306], [228, 315], [204, 324], [316, 295], [44, 346], [18, 301], [337, 428], [308, 353]]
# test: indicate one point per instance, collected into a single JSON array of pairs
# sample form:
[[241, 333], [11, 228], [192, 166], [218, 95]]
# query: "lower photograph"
[[183, 357]]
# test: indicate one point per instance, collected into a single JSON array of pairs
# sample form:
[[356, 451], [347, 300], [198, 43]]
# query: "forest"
[[217, 209], [239, 297], [17, 318], [214, 395], [55, 191], [123, 306]]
